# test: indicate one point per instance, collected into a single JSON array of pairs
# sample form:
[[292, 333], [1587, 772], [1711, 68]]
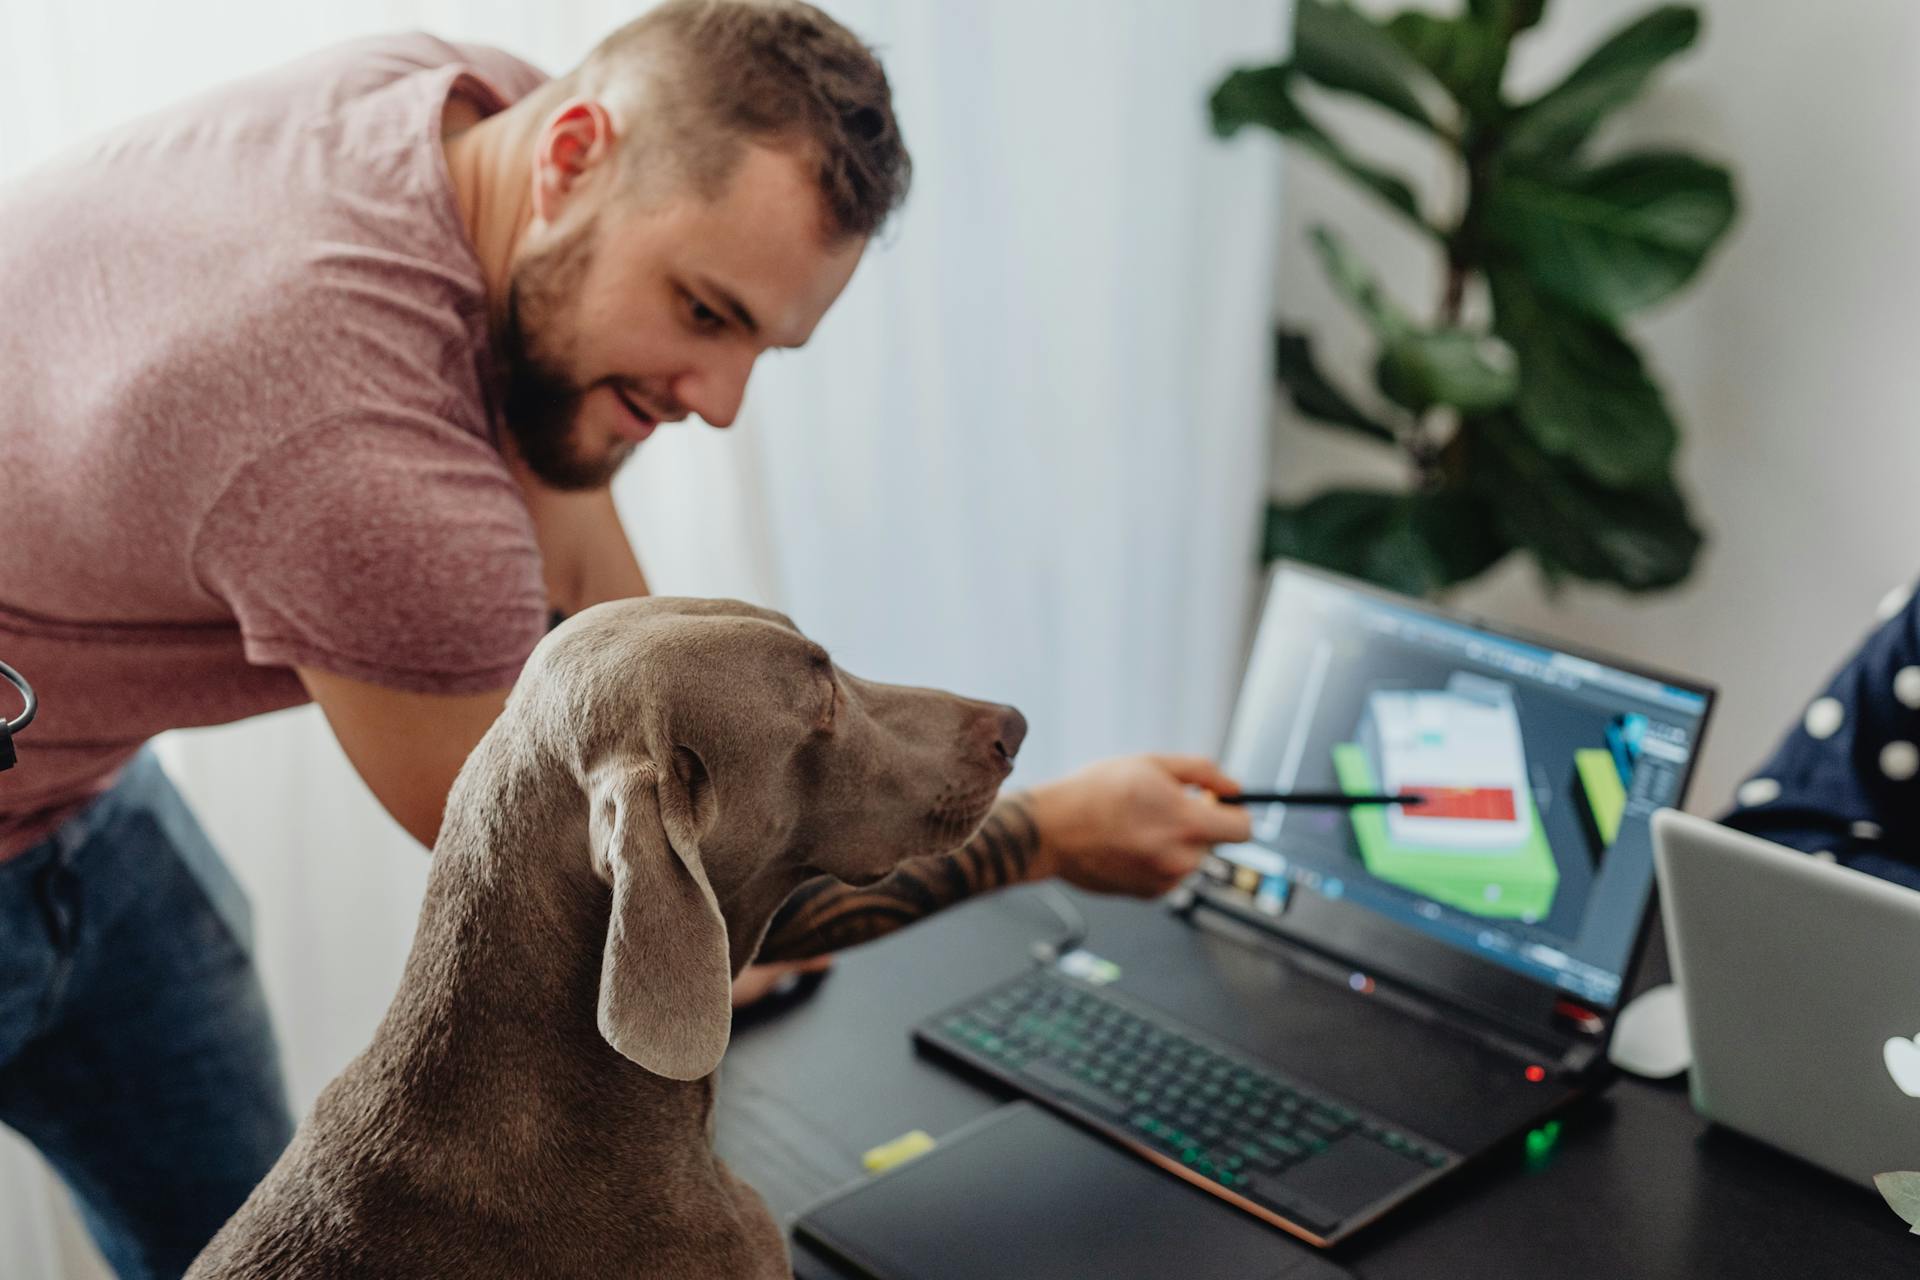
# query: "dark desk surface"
[[1637, 1185]]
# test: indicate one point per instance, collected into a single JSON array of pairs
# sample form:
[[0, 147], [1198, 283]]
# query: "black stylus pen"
[[1323, 799]]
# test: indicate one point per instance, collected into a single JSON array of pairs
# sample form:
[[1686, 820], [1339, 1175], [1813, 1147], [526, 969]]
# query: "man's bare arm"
[[827, 915], [1135, 825], [408, 746], [583, 548]]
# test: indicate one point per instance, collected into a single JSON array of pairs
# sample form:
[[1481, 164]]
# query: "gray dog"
[[539, 1098]]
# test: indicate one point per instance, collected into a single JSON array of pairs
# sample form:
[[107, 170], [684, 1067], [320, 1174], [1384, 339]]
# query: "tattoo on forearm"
[[826, 915]]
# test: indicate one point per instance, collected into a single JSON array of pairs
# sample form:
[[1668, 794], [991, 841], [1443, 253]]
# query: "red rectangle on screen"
[[1488, 804]]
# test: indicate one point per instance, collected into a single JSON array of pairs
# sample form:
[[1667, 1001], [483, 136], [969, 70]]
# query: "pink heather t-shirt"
[[246, 421]]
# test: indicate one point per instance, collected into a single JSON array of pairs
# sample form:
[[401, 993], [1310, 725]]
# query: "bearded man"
[[315, 384]]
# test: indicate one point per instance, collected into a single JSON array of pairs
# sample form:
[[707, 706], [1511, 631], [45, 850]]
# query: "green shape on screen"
[[1606, 797], [1509, 885]]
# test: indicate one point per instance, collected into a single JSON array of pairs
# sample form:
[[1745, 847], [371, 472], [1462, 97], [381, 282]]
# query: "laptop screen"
[[1539, 770]]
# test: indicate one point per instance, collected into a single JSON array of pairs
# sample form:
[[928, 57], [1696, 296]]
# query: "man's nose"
[[716, 388]]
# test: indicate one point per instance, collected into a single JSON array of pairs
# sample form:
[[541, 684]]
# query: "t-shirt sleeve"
[[1845, 781], [382, 548]]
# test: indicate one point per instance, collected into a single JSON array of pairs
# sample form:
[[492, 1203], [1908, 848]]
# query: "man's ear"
[[576, 143], [665, 977]]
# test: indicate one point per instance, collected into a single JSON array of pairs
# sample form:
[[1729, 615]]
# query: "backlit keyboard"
[[1205, 1111]]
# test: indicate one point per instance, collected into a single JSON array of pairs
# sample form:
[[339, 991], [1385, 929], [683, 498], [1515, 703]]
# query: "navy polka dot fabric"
[[1845, 783]]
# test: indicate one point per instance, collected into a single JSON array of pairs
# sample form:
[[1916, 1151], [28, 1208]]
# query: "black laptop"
[[1444, 976]]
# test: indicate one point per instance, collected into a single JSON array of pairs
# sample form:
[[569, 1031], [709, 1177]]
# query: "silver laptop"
[[1802, 986]]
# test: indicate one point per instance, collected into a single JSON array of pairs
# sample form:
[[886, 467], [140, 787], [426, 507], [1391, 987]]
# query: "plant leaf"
[[1462, 535], [1902, 1193], [1351, 278], [1419, 368], [1584, 396], [1616, 238], [1559, 120], [1506, 16], [1312, 394], [1262, 96], [1338, 48], [1466, 56], [1417, 543], [1466, 371], [1642, 539]]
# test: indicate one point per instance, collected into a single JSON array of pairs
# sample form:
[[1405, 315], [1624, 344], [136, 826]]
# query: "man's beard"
[[540, 398]]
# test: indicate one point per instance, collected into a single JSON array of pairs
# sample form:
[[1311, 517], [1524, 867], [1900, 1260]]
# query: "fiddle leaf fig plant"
[[1528, 421]]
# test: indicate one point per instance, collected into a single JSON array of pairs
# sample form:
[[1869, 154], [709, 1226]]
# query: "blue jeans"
[[135, 1049]]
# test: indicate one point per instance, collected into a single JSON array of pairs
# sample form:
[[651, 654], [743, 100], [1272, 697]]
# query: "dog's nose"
[[1010, 730]]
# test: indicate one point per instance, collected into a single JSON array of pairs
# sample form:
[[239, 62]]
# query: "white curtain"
[[1026, 458], [1023, 457]]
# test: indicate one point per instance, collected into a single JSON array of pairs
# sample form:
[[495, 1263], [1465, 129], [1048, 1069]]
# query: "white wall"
[[1789, 362]]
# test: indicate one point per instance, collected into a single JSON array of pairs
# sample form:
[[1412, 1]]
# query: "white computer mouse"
[[1650, 1037]]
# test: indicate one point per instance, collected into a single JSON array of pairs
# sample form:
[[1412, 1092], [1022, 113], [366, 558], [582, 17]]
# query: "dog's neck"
[[750, 892], [499, 996]]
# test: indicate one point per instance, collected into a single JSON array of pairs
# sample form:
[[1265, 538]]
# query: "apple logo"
[[1903, 1064], [1902, 1192]]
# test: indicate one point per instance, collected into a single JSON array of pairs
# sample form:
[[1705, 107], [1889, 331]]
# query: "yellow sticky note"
[[899, 1151]]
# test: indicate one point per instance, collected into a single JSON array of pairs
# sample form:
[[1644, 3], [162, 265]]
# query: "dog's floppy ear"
[[665, 977]]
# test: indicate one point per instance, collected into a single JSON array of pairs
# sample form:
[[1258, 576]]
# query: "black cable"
[[19, 682]]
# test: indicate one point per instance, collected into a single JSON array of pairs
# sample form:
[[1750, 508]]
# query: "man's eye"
[[705, 318]]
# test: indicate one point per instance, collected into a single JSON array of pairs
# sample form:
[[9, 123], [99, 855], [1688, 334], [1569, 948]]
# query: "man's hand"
[[1132, 825], [758, 981]]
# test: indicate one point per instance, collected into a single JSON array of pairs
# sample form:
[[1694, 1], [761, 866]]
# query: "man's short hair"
[[691, 82]]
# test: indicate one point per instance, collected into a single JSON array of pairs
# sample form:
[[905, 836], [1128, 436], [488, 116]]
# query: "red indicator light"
[[1536, 1074], [1585, 1019]]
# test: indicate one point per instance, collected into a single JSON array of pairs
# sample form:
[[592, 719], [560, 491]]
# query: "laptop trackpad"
[[1024, 1193], [1350, 1175]]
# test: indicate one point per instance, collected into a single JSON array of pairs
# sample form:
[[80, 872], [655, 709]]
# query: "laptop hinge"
[[1576, 1056]]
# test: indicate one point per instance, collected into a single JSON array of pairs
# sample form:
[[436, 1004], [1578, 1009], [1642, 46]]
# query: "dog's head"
[[725, 758]]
